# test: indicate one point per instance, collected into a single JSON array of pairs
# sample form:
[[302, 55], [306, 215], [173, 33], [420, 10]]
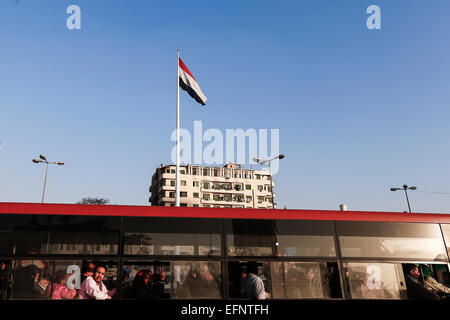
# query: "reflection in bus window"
[[199, 279], [172, 244], [280, 238], [281, 245], [165, 236], [305, 280], [393, 240], [375, 280], [146, 280], [84, 235]]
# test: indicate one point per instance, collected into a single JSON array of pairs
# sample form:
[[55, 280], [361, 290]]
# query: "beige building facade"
[[216, 187]]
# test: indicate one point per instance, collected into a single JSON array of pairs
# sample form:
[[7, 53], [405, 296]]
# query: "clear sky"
[[359, 110]]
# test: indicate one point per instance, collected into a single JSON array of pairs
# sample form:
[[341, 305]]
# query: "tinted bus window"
[[249, 237], [172, 236], [196, 280], [143, 280], [57, 280], [4, 279], [297, 280], [375, 280], [23, 234], [84, 235], [391, 239], [446, 232]]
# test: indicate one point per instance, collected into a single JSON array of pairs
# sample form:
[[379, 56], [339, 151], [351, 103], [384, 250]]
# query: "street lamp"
[[263, 162], [405, 187], [43, 159]]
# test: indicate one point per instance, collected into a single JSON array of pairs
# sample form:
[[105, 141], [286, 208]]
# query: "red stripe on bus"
[[230, 213]]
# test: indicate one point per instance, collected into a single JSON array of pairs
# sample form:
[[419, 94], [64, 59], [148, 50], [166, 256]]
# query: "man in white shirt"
[[93, 287]]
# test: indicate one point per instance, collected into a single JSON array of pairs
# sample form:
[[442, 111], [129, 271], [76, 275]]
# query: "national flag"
[[189, 84]]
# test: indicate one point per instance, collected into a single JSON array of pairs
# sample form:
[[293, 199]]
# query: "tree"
[[89, 200]]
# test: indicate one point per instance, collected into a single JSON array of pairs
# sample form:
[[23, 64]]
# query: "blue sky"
[[359, 110]]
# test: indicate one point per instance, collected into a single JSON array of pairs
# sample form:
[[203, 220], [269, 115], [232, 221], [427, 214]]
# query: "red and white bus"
[[198, 253]]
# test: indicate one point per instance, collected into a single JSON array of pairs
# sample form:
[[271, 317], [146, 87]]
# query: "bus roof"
[[231, 213]]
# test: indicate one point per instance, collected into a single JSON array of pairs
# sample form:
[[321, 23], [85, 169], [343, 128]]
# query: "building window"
[[260, 188], [258, 176], [205, 185], [206, 196], [248, 187], [206, 206], [237, 187], [260, 199], [183, 194], [216, 197], [226, 197], [195, 183], [194, 171], [183, 182], [172, 170], [216, 173], [195, 194], [216, 186], [171, 194], [172, 183], [195, 205], [182, 172], [183, 205], [226, 186], [248, 198], [205, 172]]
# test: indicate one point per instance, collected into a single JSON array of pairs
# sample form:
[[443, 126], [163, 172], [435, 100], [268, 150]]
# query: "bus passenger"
[[416, 290], [93, 287], [431, 283], [253, 286], [141, 288], [59, 289]]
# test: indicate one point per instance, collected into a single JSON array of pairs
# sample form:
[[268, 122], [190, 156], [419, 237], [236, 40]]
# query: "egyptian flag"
[[188, 83]]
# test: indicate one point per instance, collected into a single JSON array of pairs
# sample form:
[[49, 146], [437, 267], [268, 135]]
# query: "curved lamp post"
[[42, 159], [405, 187], [263, 162]]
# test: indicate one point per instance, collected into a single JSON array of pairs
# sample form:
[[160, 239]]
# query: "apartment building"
[[220, 187]]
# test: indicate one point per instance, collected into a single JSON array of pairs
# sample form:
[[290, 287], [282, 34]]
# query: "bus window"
[[427, 281], [296, 280], [31, 279], [169, 236], [259, 275], [146, 280], [196, 280], [84, 235], [4, 279], [23, 234], [446, 232], [62, 279], [391, 239], [375, 280], [280, 238]]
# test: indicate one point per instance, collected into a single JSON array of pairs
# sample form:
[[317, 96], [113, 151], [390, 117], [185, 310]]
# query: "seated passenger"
[[93, 287], [59, 289], [141, 288], [158, 283], [253, 286], [310, 286], [416, 290], [431, 283]]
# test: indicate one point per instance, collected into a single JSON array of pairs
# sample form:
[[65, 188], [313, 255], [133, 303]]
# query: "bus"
[[199, 253]]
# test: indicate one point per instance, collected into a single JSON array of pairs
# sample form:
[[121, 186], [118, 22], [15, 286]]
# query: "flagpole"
[[177, 172]]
